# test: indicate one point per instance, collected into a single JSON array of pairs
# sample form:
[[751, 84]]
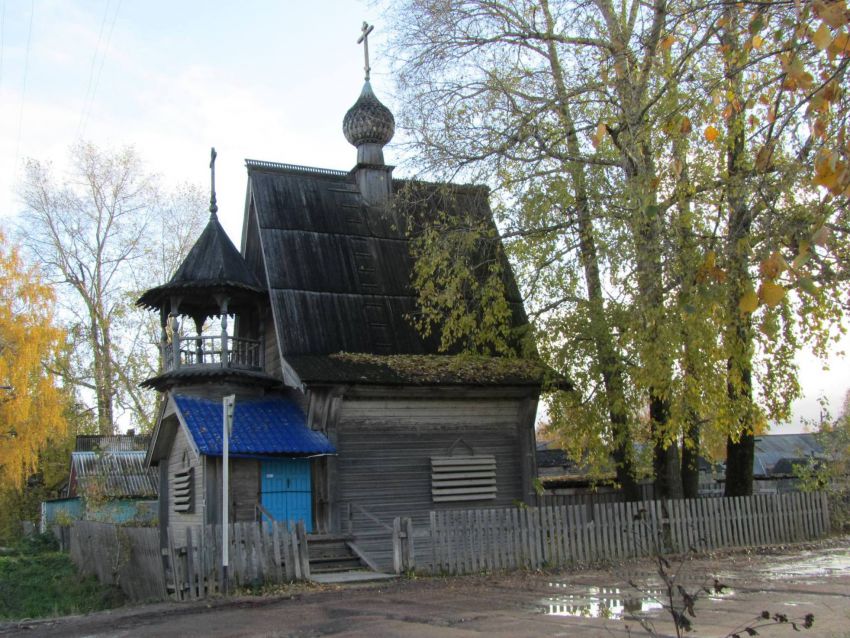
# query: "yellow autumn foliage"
[[31, 404], [749, 302], [771, 293]]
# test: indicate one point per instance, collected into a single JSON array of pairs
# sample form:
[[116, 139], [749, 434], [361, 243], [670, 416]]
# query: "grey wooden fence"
[[128, 557], [259, 554], [190, 567], [468, 541]]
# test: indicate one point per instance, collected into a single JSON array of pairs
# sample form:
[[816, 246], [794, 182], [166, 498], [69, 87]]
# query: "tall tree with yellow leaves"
[[31, 401]]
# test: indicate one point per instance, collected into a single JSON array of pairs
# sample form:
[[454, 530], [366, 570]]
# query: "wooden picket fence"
[[453, 542], [469, 541], [260, 553], [128, 557], [190, 567]]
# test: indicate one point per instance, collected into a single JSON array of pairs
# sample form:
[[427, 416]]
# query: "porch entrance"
[[286, 490]]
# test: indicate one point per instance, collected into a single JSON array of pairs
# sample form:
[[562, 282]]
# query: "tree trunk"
[[740, 444], [630, 135], [689, 255], [690, 457], [610, 363], [647, 231]]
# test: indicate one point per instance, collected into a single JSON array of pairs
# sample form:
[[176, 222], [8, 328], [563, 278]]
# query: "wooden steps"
[[331, 554]]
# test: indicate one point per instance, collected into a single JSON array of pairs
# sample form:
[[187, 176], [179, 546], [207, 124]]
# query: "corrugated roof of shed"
[[117, 473], [772, 448], [260, 427]]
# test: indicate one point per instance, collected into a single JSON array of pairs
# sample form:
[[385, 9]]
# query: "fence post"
[[409, 554], [397, 560], [433, 531], [349, 518], [174, 559], [303, 550], [190, 567]]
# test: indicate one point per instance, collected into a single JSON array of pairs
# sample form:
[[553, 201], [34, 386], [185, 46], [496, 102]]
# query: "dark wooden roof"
[[339, 272], [419, 370], [213, 265], [209, 374]]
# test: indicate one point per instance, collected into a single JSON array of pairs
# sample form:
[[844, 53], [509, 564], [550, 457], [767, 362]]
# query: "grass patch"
[[45, 583]]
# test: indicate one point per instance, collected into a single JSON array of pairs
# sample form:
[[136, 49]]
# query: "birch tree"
[[31, 401], [101, 235]]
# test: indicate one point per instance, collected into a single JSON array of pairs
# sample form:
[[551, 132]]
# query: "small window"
[[183, 491], [463, 478]]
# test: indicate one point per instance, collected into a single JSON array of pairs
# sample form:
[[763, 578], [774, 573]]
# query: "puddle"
[[609, 602], [808, 565], [599, 602]]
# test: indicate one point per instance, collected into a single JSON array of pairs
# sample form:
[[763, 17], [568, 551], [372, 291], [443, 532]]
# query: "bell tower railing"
[[214, 351]]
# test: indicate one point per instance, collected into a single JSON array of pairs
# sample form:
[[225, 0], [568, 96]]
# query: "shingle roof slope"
[[338, 271], [212, 263], [260, 427]]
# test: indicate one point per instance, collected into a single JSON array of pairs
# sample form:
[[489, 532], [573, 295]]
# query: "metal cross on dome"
[[213, 204], [366, 29]]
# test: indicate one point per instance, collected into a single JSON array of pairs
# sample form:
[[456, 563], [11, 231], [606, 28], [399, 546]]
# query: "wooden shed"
[[383, 423]]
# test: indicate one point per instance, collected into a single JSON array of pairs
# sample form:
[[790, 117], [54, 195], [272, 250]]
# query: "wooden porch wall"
[[182, 458], [383, 469], [469, 541]]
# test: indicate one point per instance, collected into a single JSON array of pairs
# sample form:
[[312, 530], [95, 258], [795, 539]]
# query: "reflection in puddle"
[[600, 602], [809, 565]]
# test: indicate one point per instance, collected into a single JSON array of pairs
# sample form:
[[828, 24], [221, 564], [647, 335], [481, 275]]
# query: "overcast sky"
[[267, 80]]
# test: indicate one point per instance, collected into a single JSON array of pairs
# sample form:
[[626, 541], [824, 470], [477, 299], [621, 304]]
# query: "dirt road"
[[793, 581]]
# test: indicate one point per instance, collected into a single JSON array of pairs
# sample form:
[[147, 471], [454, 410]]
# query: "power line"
[[2, 39], [92, 66], [24, 85], [90, 104]]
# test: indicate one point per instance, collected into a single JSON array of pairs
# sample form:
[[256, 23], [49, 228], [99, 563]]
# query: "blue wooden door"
[[286, 490]]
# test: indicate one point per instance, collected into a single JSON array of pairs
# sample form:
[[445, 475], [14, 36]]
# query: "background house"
[[107, 481]]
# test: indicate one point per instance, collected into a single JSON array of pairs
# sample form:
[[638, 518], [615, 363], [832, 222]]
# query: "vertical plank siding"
[[468, 541], [180, 459]]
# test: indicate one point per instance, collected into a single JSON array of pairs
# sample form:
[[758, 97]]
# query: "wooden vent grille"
[[463, 478], [183, 492]]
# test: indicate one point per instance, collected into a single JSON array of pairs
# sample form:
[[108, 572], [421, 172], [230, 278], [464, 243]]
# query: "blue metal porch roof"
[[260, 428]]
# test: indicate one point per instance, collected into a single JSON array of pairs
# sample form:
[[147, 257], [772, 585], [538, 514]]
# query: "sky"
[[268, 80]]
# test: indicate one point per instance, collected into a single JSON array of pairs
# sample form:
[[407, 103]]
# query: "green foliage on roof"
[[468, 368]]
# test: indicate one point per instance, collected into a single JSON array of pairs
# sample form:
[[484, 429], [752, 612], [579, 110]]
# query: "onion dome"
[[368, 121]]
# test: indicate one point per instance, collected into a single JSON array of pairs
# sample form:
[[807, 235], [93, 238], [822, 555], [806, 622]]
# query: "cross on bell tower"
[[366, 29], [213, 204]]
